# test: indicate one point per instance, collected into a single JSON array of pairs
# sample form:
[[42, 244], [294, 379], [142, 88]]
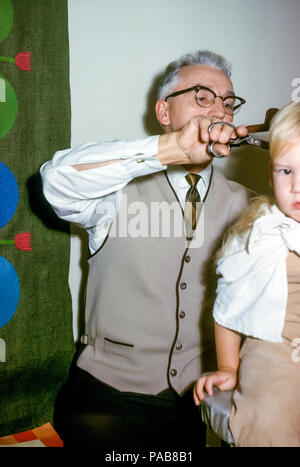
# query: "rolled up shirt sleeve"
[[90, 198]]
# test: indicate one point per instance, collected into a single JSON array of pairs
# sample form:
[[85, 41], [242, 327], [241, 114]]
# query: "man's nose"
[[217, 109]]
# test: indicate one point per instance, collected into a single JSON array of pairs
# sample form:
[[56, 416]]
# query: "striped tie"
[[191, 213]]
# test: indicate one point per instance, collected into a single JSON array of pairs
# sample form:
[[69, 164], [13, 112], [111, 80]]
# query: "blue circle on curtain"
[[9, 291], [9, 194]]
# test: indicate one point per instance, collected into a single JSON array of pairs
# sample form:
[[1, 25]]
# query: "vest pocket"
[[118, 348]]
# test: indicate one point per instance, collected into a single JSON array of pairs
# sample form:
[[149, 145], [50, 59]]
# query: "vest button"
[[183, 285], [178, 346], [187, 259], [182, 314], [173, 372]]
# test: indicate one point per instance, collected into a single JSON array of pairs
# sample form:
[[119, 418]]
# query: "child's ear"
[[271, 184]]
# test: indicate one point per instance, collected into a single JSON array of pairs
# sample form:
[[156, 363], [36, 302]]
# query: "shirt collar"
[[177, 173]]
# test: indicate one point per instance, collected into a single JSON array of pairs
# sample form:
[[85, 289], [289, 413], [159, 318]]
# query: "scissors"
[[235, 142]]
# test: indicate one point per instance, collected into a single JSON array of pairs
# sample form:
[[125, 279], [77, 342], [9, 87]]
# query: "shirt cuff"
[[141, 164]]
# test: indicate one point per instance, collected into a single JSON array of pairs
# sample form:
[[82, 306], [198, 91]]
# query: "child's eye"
[[286, 171], [283, 171]]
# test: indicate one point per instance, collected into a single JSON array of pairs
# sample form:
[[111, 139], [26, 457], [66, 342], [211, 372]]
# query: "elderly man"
[[149, 332]]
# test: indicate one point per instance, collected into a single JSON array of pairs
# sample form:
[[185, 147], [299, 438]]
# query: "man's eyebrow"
[[228, 92]]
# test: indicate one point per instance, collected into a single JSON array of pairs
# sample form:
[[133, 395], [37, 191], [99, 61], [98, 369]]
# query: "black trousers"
[[90, 413]]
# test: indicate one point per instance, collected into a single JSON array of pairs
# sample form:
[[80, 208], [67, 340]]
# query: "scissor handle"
[[211, 151], [211, 144]]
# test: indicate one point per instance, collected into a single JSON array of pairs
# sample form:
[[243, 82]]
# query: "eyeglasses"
[[206, 97]]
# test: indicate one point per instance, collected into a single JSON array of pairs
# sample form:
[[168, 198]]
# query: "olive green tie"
[[191, 213]]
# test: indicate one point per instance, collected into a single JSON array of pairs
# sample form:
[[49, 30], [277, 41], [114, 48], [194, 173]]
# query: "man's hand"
[[223, 379], [189, 145]]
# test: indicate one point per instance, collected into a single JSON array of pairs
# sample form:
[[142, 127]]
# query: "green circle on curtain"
[[8, 106], [6, 18]]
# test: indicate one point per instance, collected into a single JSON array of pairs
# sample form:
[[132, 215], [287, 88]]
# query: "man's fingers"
[[222, 133], [203, 129], [242, 131], [193, 139]]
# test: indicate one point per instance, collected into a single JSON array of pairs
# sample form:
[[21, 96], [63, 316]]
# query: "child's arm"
[[227, 347], [228, 344]]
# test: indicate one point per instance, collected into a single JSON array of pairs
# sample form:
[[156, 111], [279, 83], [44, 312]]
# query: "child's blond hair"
[[284, 129]]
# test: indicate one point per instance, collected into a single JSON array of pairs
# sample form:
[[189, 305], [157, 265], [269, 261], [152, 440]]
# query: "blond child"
[[258, 298]]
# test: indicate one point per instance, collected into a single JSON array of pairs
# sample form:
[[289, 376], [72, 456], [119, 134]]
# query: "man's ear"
[[271, 184], [162, 112]]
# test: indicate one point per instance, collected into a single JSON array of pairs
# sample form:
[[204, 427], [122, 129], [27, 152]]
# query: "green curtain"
[[38, 337]]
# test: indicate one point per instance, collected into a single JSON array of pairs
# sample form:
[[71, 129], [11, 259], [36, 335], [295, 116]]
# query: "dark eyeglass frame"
[[198, 87]]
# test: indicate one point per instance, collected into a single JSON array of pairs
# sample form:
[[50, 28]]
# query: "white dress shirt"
[[76, 196]]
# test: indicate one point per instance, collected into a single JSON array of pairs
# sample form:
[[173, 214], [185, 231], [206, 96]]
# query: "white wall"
[[118, 48]]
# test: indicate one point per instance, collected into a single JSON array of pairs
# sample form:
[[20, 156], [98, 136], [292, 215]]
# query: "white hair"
[[202, 57]]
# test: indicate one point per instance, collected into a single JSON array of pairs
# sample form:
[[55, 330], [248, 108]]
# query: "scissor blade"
[[257, 142]]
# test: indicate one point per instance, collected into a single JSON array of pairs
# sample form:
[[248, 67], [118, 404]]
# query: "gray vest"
[[149, 298]]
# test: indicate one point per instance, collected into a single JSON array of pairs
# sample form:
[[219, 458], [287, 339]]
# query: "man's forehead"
[[206, 76]]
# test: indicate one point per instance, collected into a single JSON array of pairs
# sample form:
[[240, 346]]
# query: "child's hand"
[[224, 380]]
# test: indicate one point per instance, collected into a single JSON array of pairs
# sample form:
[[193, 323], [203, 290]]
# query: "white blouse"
[[252, 290]]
